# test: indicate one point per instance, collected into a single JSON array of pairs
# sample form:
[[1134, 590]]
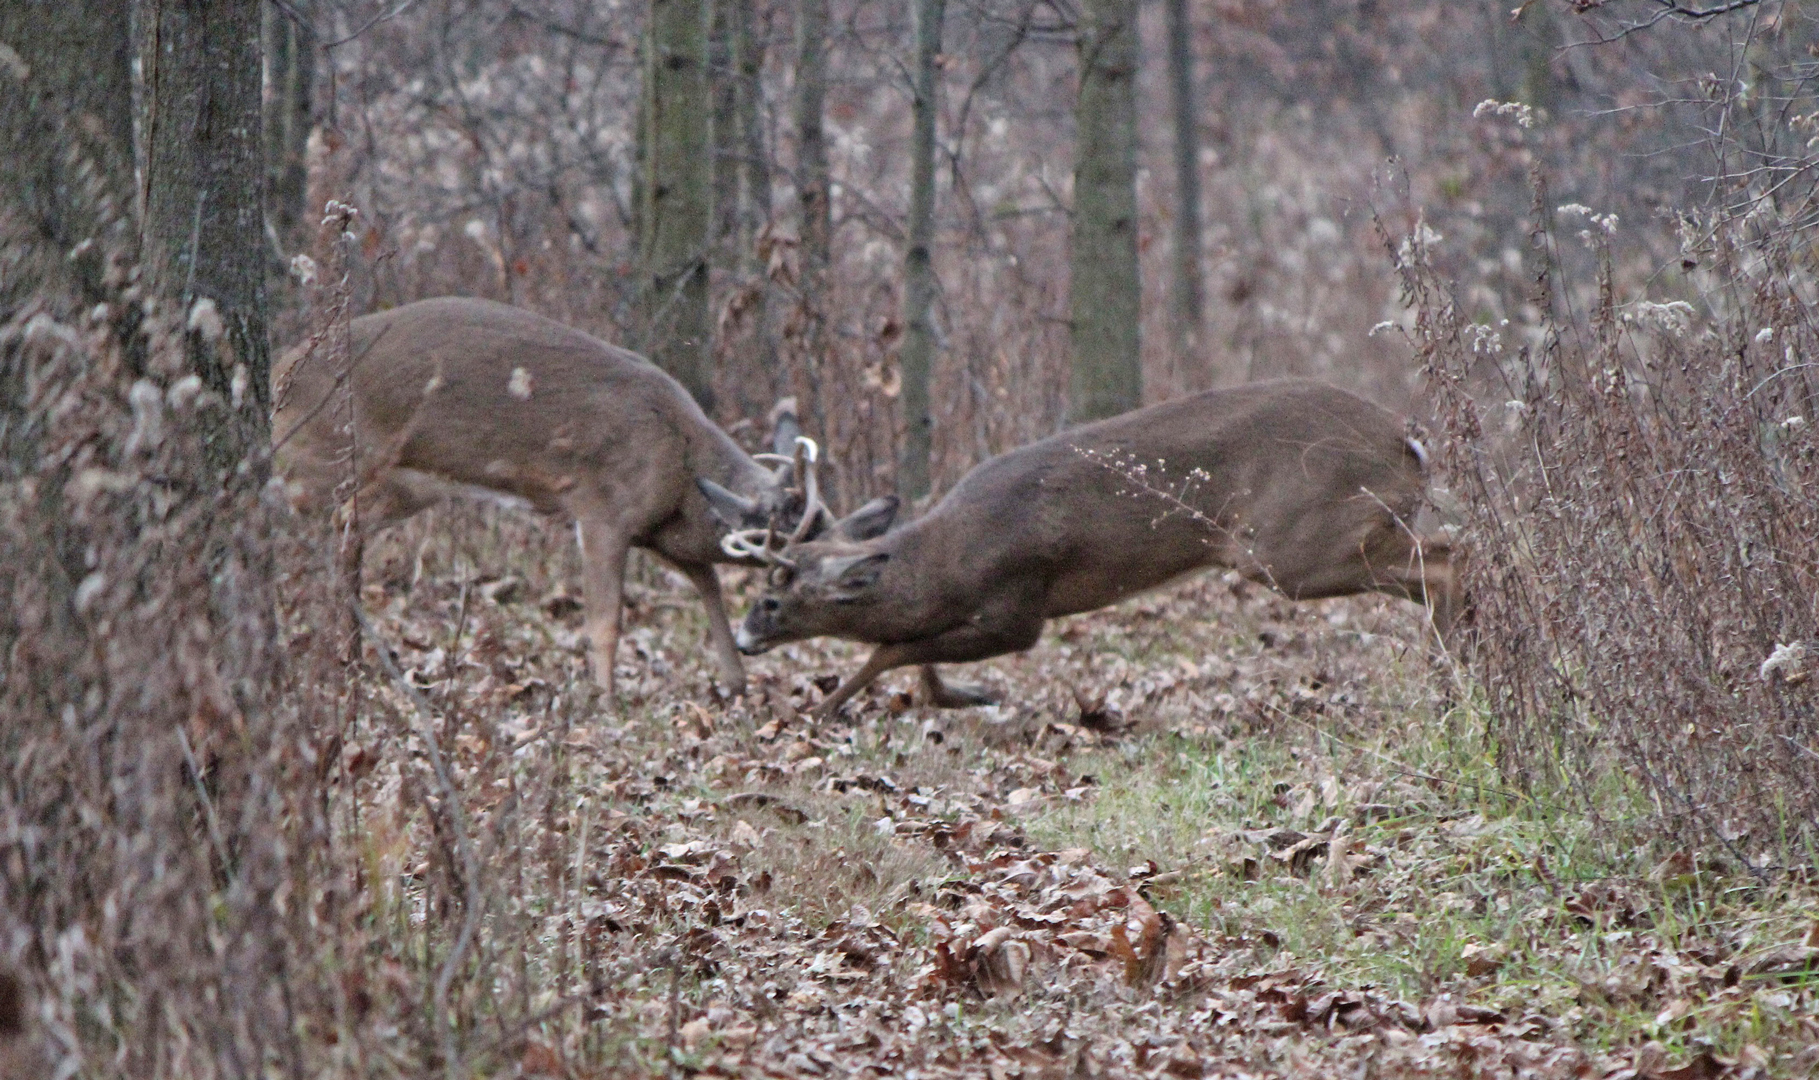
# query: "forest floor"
[[1208, 832]]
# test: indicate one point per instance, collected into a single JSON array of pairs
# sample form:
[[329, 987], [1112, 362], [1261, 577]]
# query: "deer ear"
[[851, 577], [872, 519], [733, 510]]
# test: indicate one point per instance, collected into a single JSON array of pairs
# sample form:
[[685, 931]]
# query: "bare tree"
[[918, 267], [1106, 377], [1187, 309], [676, 219], [812, 194]]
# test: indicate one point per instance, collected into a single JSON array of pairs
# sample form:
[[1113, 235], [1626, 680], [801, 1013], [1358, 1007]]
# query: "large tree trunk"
[[918, 265], [677, 216], [203, 231], [812, 193], [1107, 378], [1187, 309]]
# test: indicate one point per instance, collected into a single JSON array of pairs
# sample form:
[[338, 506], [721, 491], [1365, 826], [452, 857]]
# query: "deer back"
[[470, 395]]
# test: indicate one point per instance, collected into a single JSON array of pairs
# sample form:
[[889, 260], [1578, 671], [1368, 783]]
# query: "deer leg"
[[719, 630], [974, 641], [1426, 574], [946, 695], [603, 552], [883, 658]]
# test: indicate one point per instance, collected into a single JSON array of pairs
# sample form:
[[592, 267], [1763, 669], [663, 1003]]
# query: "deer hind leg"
[[603, 550], [719, 630], [946, 695]]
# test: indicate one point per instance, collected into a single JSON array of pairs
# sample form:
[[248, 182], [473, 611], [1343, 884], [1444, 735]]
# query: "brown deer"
[[1293, 484], [464, 397]]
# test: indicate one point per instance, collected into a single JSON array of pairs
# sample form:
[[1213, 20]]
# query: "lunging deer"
[[1294, 484], [458, 396]]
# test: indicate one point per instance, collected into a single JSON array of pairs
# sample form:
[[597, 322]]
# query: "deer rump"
[[1294, 484]]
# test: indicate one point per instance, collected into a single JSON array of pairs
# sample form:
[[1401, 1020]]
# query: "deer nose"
[[747, 644]]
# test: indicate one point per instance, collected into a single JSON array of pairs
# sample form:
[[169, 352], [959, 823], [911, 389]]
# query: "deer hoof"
[[959, 696]]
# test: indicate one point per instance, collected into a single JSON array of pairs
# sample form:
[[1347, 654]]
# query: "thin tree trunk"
[[918, 265], [723, 88], [1188, 312], [1107, 378], [203, 233], [754, 187], [812, 192], [290, 61], [677, 217]]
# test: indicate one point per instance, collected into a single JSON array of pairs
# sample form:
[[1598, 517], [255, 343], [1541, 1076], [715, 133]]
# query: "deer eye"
[[770, 604]]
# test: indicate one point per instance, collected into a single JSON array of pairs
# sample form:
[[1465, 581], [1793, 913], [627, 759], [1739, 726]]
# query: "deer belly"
[[1088, 588]]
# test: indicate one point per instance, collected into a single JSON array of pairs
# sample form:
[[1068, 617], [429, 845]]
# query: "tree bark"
[[1106, 377], [918, 264], [202, 236], [68, 72], [813, 194], [723, 88], [677, 217], [755, 208], [1188, 310]]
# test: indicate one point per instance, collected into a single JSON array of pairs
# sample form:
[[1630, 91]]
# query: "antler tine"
[[808, 456], [740, 544]]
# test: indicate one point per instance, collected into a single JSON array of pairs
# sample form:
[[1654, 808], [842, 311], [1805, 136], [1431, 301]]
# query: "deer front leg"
[[603, 551], [719, 630], [981, 640]]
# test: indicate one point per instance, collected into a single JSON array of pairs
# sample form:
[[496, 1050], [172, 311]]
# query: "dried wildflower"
[[1786, 658], [205, 319], [1524, 114]]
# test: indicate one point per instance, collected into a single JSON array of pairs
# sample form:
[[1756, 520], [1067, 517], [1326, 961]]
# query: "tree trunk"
[[290, 115], [677, 217], [69, 89], [1187, 307], [1107, 378], [754, 187], [723, 88], [203, 232], [918, 265], [812, 192]]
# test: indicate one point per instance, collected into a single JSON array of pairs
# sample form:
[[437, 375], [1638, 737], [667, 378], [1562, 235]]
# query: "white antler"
[[808, 454]]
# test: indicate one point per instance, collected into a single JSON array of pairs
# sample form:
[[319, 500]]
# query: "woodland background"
[[261, 816]]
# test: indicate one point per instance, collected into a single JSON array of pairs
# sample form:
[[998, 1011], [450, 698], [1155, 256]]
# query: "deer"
[[457, 397], [1293, 484]]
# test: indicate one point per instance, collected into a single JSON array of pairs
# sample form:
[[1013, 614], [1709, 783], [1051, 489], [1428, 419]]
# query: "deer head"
[[812, 583]]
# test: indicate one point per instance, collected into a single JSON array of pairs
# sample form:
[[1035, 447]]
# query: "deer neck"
[[713, 454]]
